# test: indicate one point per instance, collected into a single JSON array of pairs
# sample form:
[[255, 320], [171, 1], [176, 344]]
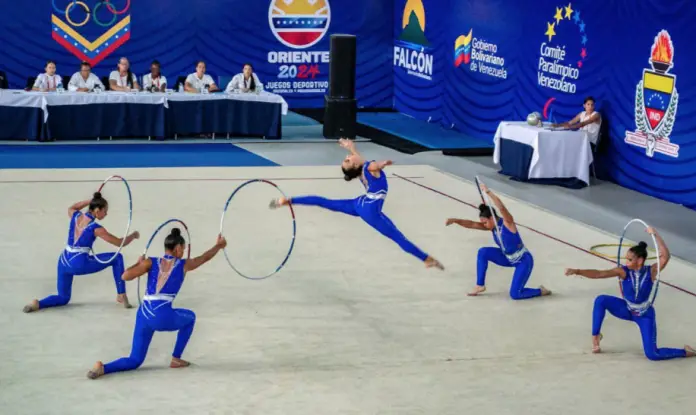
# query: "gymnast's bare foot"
[[97, 371], [276, 203], [544, 290], [432, 262], [478, 290], [690, 351], [595, 343], [31, 307], [123, 299], [178, 363]]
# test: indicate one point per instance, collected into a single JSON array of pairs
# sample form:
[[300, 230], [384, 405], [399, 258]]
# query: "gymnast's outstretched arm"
[[113, 240], [138, 269], [597, 274], [469, 224], [194, 263], [348, 145], [377, 166]]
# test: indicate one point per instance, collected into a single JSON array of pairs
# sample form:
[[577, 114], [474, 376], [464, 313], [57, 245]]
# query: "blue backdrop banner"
[[287, 41], [473, 63]]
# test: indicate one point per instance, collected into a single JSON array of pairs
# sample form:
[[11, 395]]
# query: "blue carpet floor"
[[431, 136], [87, 156]]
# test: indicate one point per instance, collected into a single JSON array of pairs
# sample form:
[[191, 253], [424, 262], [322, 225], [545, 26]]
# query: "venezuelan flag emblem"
[[299, 24]]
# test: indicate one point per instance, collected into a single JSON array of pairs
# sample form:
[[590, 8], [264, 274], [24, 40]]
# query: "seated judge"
[[247, 81], [587, 121], [47, 81], [199, 80], [155, 81], [122, 79], [85, 80]]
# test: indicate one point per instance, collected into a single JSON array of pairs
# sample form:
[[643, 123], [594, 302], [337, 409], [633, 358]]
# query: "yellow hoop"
[[67, 13], [593, 249]]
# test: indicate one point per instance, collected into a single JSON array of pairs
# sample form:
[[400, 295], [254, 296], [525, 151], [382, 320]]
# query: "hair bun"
[[97, 195], [176, 232], [642, 244]]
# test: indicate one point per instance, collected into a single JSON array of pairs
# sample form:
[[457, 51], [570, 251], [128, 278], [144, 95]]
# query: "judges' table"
[[542, 155], [21, 115], [77, 115], [235, 114]]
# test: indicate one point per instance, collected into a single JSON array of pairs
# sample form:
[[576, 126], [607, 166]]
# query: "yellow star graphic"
[[569, 11], [550, 32], [559, 14]]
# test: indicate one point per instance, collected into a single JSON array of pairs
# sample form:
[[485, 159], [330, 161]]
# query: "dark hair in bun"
[[174, 239], [97, 202], [640, 250], [485, 211], [350, 174]]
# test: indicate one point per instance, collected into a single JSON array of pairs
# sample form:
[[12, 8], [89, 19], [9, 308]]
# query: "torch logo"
[[656, 102]]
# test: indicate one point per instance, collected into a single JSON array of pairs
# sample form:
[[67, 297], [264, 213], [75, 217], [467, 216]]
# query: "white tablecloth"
[[18, 98], [35, 99], [557, 154]]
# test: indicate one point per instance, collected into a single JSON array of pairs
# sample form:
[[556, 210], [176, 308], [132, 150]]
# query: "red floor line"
[[277, 179], [407, 179]]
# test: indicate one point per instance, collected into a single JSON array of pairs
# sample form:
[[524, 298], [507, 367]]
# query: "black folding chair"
[[4, 84], [30, 83]]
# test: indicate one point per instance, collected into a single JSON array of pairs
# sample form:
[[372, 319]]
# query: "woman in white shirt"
[[48, 81], [247, 81], [155, 81], [588, 121], [123, 79], [85, 80], [199, 80]]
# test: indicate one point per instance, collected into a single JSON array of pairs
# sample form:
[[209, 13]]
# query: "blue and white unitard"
[[636, 288], [76, 259], [369, 208], [511, 252], [157, 314]]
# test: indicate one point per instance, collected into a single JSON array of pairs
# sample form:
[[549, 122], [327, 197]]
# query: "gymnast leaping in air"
[[77, 258], [367, 206], [510, 251], [165, 276], [636, 278]]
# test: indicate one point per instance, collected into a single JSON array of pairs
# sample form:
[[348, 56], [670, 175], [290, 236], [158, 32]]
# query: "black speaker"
[[342, 67], [340, 117]]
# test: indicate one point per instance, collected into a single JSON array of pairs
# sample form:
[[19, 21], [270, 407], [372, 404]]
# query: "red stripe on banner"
[[300, 38], [464, 58], [108, 51], [95, 60], [69, 46]]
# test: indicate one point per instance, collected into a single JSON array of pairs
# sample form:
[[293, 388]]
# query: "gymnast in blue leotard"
[[368, 206], [165, 276], [77, 257], [637, 280], [510, 251]]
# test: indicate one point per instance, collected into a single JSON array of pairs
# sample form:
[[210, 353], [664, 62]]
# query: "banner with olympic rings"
[[286, 41], [70, 27]]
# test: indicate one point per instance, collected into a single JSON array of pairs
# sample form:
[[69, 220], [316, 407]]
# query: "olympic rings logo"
[[91, 13]]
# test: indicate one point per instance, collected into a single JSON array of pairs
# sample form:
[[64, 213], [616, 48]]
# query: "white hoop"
[[653, 293], [487, 201], [130, 218], [152, 238]]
